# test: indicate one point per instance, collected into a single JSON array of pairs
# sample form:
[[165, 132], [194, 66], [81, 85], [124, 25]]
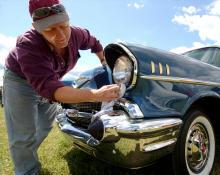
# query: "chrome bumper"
[[125, 142]]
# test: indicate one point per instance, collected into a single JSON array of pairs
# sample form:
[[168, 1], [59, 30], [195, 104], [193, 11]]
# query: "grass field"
[[59, 157]]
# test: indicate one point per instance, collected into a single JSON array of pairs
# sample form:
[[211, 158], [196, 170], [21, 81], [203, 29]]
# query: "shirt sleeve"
[[86, 41], [38, 71]]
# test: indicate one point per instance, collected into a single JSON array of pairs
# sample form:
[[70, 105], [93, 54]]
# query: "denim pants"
[[29, 119]]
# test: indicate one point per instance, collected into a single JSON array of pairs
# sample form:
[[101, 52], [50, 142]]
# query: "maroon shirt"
[[33, 60]]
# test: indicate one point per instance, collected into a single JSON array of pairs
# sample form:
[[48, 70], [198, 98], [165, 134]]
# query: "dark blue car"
[[169, 105]]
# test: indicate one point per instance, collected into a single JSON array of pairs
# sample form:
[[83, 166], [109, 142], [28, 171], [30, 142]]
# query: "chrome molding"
[[179, 80], [144, 127], [153, 67], [168, 69], [131, 108], [134, 79], [156, 146], [160, 68]]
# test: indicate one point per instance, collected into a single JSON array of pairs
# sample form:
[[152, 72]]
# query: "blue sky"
[[173, 25]]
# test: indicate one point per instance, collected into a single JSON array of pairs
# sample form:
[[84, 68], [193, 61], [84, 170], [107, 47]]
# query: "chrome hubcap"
[[197, 147]]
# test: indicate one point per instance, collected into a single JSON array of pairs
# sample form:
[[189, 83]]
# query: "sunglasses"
[[47, 11]]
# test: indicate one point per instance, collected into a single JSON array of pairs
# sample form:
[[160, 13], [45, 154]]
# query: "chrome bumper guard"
[[126, 142], [67, 127]]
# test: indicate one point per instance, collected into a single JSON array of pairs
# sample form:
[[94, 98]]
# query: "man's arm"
[[68, 94], [101, 57]]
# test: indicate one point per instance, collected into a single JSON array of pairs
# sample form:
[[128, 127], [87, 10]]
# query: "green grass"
[[5, 161]]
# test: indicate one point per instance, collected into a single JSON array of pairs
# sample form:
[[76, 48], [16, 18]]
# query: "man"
[[33, 71]]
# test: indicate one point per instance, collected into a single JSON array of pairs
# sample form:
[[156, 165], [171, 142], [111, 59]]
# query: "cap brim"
[[42, 24]]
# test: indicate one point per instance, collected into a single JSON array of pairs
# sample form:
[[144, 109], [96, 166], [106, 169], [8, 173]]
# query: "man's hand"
[[107, 93]]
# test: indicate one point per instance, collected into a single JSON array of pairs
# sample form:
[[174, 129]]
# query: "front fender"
[[199, 96]]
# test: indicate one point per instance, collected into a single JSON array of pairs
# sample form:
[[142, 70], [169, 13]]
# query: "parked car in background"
[[87, 79], [69, 78], [169, 105]]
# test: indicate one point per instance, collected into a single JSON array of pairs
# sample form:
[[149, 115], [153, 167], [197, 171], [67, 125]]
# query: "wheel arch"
[[207, 106], [210, 105]]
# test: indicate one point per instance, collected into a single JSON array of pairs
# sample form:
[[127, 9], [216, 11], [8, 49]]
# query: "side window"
[[197, 54], [208, 56], [205, 54], [216, 57]]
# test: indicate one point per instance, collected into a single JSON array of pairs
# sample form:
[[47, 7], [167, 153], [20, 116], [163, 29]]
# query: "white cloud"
[[6, 44], [120, 40], [207, 26], [214, 8], [207, 23], [136, 5], [7, 41], [190, 10]]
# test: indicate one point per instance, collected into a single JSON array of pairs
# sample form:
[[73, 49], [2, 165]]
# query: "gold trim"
[[152, 67], [160, 68], [180, 80], [168, 69]]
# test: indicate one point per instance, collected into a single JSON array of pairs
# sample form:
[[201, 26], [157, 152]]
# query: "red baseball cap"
[[54, 16], [36, 4]]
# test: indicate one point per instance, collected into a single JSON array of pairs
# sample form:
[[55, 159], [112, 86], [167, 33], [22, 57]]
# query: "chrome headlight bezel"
[[113, 52], [122, 71]]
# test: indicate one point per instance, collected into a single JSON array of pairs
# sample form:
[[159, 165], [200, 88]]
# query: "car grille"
[[84, 107]]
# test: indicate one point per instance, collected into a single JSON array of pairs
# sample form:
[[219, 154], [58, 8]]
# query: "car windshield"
[[210, 55]]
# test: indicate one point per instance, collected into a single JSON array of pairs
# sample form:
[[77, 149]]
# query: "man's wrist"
[[103, 61]]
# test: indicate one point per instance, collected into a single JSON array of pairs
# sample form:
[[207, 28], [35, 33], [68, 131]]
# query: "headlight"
[[122, 71]]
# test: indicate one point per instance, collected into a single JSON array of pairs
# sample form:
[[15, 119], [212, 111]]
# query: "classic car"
[[168, 105]]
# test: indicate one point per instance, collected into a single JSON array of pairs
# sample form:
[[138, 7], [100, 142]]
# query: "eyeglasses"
[[47, 11]]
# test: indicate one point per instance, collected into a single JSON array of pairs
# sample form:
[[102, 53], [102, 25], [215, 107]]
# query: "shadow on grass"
[[44, 171], [216, 168], [82, 164]]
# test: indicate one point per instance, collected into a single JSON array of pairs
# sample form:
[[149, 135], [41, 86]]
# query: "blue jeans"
[[29, 119]]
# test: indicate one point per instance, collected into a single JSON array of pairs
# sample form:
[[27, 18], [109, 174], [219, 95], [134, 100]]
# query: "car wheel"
[[195, 148]]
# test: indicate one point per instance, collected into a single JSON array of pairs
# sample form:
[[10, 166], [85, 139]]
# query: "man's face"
[[58, 35]]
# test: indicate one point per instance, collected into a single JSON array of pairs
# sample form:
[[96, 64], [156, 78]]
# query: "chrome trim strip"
[[152, 67], [168, 69], [146, 126], [156, 146], [160, 68], [134, 79], [179, 80]]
